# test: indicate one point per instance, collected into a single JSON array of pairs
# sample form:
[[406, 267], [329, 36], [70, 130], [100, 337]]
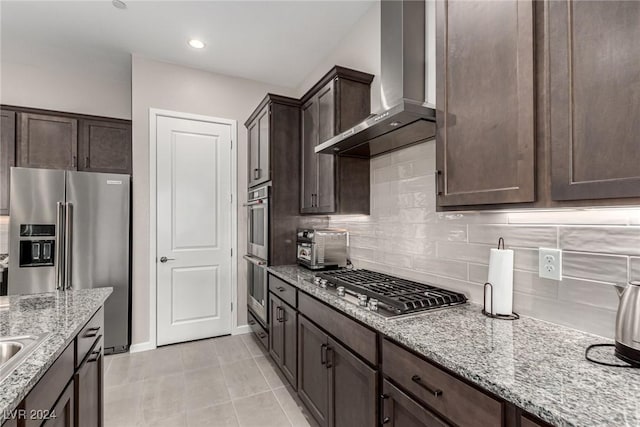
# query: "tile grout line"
[[269, 385]]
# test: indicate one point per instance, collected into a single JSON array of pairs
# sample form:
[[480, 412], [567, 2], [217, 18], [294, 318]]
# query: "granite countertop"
[[61, 315], [536, 365]]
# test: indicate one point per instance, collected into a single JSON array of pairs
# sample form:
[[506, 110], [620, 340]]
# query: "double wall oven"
[[257, 256]]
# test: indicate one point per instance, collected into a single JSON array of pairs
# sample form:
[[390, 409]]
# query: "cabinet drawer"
[[286, 292], [457, 401], [45, 394], [87, 337], [258, 330], [360, 339]]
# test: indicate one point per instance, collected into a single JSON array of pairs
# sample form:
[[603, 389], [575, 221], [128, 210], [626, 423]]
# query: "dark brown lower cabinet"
[[283, 337], [89, 379], [313, 381], [400, 410], [338, 388], [63, 413], [352, 389]]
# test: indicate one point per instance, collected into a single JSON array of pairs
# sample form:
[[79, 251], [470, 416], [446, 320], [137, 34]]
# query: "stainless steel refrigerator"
[[70, 230]]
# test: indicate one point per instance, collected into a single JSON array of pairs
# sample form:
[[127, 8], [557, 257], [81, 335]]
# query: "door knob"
[[165, 259]]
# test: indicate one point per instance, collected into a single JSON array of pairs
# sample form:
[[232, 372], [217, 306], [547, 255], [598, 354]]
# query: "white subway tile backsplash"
[[596, 320], [455, 269], [525, 259], [634, 269], [608, 240], [522, 236], [597, 294], [588, 217], [464, 252], [606, 268], [405, 236]]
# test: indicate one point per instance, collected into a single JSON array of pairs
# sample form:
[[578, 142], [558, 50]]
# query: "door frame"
[[154, 113]]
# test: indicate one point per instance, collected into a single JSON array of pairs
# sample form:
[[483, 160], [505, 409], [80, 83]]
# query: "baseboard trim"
[[143, 346], [239, 330]]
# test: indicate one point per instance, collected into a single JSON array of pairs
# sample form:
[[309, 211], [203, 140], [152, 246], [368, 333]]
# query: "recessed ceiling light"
[[119, 4], [196, 44]]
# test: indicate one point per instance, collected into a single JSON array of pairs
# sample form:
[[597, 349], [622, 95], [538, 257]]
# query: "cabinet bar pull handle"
[[92, 332], [329, 352], [323, 354], [416, 379], [74, 162], [86, 162], [280, 288], [386, 420], [96, 355], [256, 174], [437, 175]]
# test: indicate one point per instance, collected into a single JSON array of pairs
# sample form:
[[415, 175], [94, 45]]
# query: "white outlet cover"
[[550, 263]]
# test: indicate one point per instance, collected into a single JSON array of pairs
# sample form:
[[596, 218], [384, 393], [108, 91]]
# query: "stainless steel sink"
[[8, 350], [14, 350]]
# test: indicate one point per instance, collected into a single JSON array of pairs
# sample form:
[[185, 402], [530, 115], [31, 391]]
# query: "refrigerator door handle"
[[59, 251], [68, 241]]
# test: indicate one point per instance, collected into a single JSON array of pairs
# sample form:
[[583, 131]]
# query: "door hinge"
[[231, 306], [231, 251], [232, 144], [231, 197]]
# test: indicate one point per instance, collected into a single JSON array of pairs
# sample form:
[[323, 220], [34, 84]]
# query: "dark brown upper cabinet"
[[104, 146], [47, 141], [7, 156], [331, 184], [56, 140], [485, 103], [594, 99], [258, 135], [272, 136]]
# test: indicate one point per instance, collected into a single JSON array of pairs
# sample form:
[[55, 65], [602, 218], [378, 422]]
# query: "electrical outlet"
[[550, 263]]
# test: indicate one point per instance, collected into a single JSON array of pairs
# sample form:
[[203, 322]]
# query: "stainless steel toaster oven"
[[322, 248]]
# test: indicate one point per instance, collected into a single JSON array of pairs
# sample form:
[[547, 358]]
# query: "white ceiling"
[[277, 42]]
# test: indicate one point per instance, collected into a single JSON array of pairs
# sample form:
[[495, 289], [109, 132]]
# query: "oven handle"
[[255, 260], [256, 202]]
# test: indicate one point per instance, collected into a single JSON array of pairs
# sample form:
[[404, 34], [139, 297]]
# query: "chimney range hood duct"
[[405, 119]]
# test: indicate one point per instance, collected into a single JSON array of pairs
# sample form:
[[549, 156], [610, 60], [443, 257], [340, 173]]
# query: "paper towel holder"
[[512, 316]]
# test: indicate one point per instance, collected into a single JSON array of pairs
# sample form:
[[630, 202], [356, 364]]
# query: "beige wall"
[[74, 85], [172, 87], [359, 49]]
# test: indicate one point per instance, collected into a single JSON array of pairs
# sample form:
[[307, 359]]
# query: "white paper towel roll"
[[501, 279]]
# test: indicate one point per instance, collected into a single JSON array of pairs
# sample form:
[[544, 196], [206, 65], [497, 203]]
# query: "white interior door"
[[193, 229]]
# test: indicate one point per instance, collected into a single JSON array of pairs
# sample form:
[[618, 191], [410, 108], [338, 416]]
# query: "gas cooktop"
[[390, 295]]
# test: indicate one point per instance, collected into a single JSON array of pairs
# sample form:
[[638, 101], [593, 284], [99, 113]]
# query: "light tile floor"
[[226, 381]]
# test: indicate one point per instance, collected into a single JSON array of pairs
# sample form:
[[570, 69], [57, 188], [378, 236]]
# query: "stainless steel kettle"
[[628, 324]]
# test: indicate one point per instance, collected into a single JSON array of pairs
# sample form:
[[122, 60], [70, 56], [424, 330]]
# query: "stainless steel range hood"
[[405, 119]]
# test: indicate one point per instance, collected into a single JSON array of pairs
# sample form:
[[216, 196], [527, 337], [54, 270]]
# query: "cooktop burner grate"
[[400, 295]]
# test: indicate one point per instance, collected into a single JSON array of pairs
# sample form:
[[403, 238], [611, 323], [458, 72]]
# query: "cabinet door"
[[352, 386], [254, 153], [290, 344], [485, 102], [594, 101], [276, 329], [7, 156], [399, 410], [325, 199], [48, 142], [313, 380], [263, 145], [309, 159], [63, 413], [104, 146], [89, 390]]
